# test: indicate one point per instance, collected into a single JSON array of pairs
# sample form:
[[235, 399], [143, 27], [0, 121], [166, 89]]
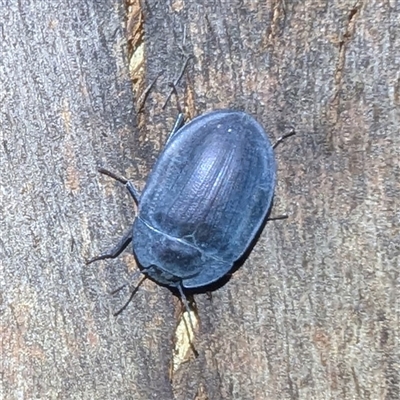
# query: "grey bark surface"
[[314, 311]]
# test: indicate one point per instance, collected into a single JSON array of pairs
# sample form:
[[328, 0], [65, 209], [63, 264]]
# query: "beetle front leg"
[[117, 250]]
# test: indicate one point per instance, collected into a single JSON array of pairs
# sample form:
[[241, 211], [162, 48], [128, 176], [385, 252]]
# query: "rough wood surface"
[[314, 312]]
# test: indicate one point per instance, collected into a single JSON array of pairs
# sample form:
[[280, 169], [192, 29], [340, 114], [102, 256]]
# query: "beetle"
[[204, 202]]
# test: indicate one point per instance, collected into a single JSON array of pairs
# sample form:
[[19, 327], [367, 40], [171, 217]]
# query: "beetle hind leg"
[[179, 122], [128, 184], [282, 138], [116, 251], [180, 119], [277, 217]]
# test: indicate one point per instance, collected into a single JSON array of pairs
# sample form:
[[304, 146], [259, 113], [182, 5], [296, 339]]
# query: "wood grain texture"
[[314, 312]]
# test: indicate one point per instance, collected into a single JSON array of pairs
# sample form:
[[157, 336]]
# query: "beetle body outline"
[[204, 201]]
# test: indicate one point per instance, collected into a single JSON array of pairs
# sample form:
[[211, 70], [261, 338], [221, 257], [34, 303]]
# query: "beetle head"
[[166, 259]]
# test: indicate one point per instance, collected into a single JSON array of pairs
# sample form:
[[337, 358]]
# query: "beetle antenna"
[[187, 309], [282, 138], [131, 279], [134, 291]]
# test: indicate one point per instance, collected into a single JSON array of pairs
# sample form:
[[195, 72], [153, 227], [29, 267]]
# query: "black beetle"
[[204, 202]]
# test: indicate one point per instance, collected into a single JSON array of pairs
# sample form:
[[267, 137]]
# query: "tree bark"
[[313, 313]]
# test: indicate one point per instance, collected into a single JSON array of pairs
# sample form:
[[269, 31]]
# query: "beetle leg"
[[133, 192], [117, 250], [128, 184], [180, 119], [283, 216], [179, 122], [173, 84], [282, 138]]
